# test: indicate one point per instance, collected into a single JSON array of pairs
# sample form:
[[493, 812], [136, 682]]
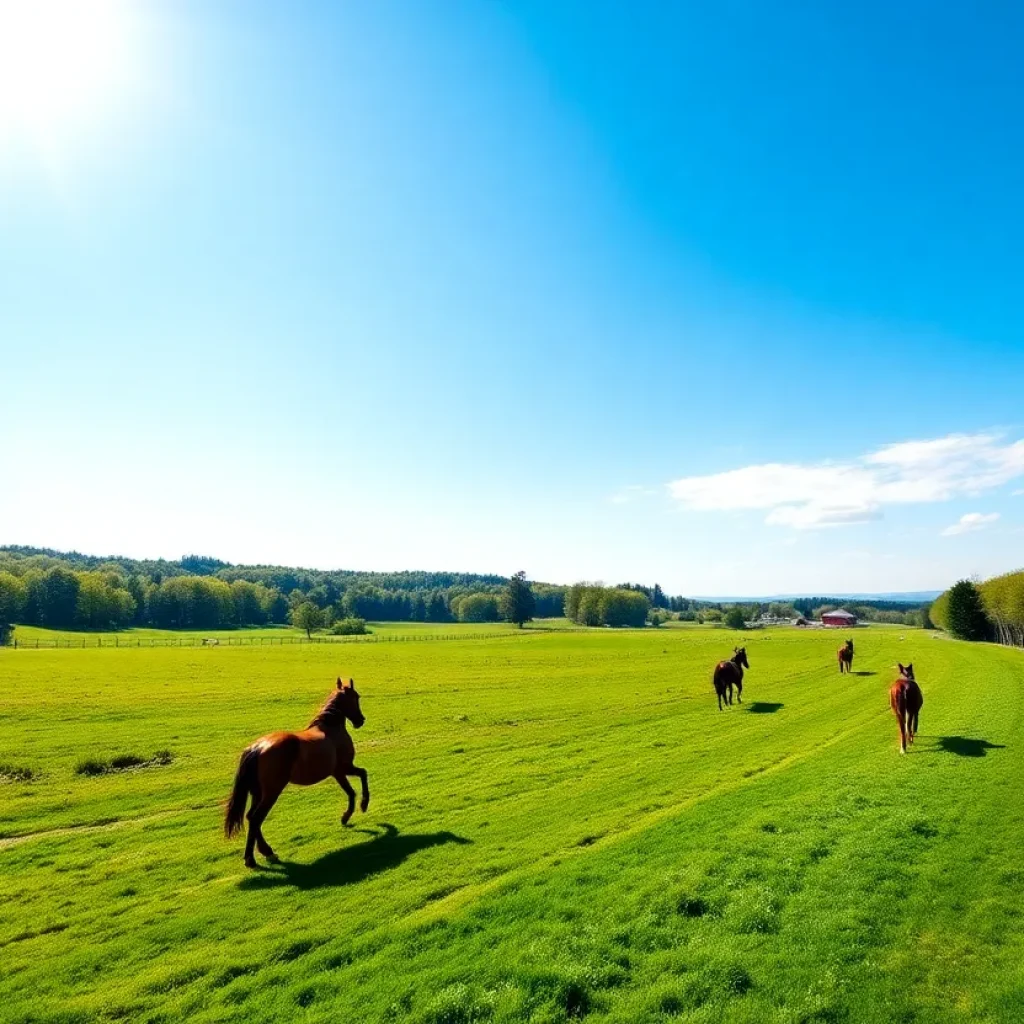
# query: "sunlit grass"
[[563, 826]]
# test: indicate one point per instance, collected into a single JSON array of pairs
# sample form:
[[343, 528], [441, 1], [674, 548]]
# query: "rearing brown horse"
[[906, 700], [845, 656], [324, 750], [729, 674]]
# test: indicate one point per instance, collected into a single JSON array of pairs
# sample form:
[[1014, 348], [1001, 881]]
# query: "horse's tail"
[[245, 783], [899, 703]]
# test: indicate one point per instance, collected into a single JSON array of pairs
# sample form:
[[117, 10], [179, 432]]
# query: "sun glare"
[[62, 64]]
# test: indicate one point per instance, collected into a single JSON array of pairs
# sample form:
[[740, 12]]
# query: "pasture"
[[563, 827]]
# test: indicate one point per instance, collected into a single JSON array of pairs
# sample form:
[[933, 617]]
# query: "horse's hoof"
[[344, 818], [272, 858], [250, 862], [363, 804]]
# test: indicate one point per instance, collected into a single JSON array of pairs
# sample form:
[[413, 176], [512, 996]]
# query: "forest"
[[992, 610], [68, 590]]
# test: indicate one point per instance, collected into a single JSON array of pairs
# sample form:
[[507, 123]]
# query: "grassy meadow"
[[563, 826]]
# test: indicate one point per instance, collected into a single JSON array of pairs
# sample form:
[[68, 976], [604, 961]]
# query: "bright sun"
[[62, 63]]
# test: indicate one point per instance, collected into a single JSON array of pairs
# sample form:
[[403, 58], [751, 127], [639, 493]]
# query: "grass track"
[[562, 825]]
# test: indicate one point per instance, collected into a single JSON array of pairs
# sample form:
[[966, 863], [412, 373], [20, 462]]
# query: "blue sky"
[[657, 293]]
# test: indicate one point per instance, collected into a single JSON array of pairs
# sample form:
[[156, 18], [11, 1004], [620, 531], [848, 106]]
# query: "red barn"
[[840, 617]]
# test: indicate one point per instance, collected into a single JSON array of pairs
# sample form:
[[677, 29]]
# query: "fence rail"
[[78, 643]]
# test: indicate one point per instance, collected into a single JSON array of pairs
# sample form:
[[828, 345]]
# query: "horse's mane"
[[332, 713]]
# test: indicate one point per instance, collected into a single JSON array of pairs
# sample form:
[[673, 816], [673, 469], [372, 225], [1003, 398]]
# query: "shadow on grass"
[[863, 673], [351, 864], [964, 747], [761, 707]]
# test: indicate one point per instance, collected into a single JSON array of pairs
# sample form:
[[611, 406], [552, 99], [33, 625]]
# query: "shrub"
[[16, 773], [121, 763], [350, 626], [735, 619]]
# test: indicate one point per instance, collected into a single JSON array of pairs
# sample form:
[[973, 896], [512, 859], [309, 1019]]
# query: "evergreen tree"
[[966, 613], [517, 602]]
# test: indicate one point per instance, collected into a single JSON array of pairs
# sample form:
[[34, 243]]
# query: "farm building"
[[840, 617]]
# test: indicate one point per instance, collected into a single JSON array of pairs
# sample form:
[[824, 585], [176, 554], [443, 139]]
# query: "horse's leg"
[[347, 789], [364, 783], [901, 718], [258, 815], [250, 839], [739, 691]]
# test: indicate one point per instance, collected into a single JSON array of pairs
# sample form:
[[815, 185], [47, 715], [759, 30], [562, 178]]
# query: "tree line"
[[42, 588], [992, 610], [69, 590]]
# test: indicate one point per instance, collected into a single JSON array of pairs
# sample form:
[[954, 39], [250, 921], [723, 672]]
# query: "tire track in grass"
[[102, 826]]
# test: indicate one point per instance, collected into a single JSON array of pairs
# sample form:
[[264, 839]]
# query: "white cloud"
[[970, 522], [841, 493]]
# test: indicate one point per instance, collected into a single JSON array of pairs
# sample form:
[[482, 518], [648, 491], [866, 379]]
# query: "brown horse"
[[845, 656], [324, 750], [906, 699], [729, 674]]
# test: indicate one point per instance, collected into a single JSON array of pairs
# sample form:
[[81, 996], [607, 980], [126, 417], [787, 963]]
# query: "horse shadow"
[[964, 747], [351, 864], [761, 707], [863, 673]]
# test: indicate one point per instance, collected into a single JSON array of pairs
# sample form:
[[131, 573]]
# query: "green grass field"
[[563, 826], [27, 635]]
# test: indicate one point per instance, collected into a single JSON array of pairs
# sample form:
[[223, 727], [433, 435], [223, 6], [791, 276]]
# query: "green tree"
[[621, 607], [12, 598], [59, 597], [516, 603], [734, 618], [966, 613], [308, 617], [478, 608]]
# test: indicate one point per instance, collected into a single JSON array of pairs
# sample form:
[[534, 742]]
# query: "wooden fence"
[[78, 643]]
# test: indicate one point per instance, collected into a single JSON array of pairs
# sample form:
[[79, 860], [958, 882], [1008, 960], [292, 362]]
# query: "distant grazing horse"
[[845, 656], [906, 700], [324, 750], [729, 674]]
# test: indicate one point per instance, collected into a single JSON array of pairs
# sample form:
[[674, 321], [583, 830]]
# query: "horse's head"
[[740, 656], [849, 645], [907, 671], [349, 700]]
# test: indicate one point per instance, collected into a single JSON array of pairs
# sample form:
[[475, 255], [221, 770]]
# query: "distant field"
[[29, 634], [26, 636], [563, 826]]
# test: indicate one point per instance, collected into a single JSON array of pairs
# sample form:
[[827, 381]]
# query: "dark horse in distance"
[[906, 699], [729, 674], [323, 751], [845, 656]]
